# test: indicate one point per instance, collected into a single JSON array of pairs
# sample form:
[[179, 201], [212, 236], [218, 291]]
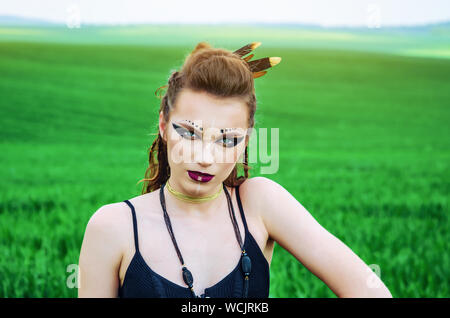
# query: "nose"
[[205, 156]]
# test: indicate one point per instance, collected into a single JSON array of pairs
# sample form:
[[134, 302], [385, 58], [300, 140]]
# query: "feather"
[[260, 64], [248, 57], [258, 74], [247, 49], [264, 63]]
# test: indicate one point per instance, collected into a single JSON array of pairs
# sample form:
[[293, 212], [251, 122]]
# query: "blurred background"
[[361, 99]]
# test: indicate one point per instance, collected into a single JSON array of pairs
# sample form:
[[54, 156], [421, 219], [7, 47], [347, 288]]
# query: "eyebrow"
[[200, 129]]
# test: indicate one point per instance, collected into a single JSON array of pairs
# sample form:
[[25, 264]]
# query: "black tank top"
[[142, 282]]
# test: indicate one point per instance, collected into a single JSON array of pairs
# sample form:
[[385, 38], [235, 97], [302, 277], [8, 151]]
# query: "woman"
[[177, 239]]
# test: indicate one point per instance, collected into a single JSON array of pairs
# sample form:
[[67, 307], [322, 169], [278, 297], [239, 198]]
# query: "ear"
[[162, 126]]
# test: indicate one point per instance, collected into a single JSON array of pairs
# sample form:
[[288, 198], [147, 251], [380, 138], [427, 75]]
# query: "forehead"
[[210, 111]]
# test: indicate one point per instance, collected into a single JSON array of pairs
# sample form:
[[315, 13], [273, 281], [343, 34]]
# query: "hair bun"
[[201, 45]]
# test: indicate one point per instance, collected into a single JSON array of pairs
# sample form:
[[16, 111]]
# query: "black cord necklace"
[[187, 276]]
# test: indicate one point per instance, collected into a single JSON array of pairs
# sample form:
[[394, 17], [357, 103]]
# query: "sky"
[[318, 12]]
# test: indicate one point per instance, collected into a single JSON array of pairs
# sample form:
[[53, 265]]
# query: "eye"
[[185, 133], [231, 142], [188, 134]]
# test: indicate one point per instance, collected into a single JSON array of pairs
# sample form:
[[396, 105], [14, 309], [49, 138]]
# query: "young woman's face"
[[206, 134]]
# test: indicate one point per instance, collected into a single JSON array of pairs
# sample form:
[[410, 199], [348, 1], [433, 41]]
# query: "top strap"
[[136, 243], [241, 209]]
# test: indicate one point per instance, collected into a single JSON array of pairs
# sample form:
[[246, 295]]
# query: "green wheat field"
[[363, 119]]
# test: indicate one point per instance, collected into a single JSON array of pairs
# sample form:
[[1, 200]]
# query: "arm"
[[100, 256], [328, 258]]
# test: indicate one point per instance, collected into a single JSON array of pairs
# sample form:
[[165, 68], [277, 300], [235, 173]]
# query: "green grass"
[[363, 146], [428, 40]]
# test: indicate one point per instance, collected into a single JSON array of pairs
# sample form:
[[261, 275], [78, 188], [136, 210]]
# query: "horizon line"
[[36, 21]]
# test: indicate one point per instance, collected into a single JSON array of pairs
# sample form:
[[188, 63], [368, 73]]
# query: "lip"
[[201, 173], [200, 176]]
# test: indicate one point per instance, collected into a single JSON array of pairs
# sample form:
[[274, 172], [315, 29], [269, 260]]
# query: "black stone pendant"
[[246, 264], [187, 277]]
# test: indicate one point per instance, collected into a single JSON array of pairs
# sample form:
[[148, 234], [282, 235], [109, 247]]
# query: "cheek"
[[232, 154], [181, 150]]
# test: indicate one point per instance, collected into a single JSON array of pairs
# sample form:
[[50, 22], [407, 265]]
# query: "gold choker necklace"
[[191, 198]]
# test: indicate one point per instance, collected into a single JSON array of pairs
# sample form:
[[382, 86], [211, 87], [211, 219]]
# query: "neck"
[[186, 206]]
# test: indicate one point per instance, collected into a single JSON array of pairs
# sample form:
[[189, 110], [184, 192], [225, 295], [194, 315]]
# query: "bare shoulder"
[[102, 251], [250, 191], [108, 223], [116, 218], [260, 183], [261, 190], [109, 215], [261, 193], [286, 220]]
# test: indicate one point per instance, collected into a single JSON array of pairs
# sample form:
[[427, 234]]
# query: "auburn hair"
[[216, 71]]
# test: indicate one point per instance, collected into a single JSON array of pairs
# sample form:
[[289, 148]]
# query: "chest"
[[209, 249]]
